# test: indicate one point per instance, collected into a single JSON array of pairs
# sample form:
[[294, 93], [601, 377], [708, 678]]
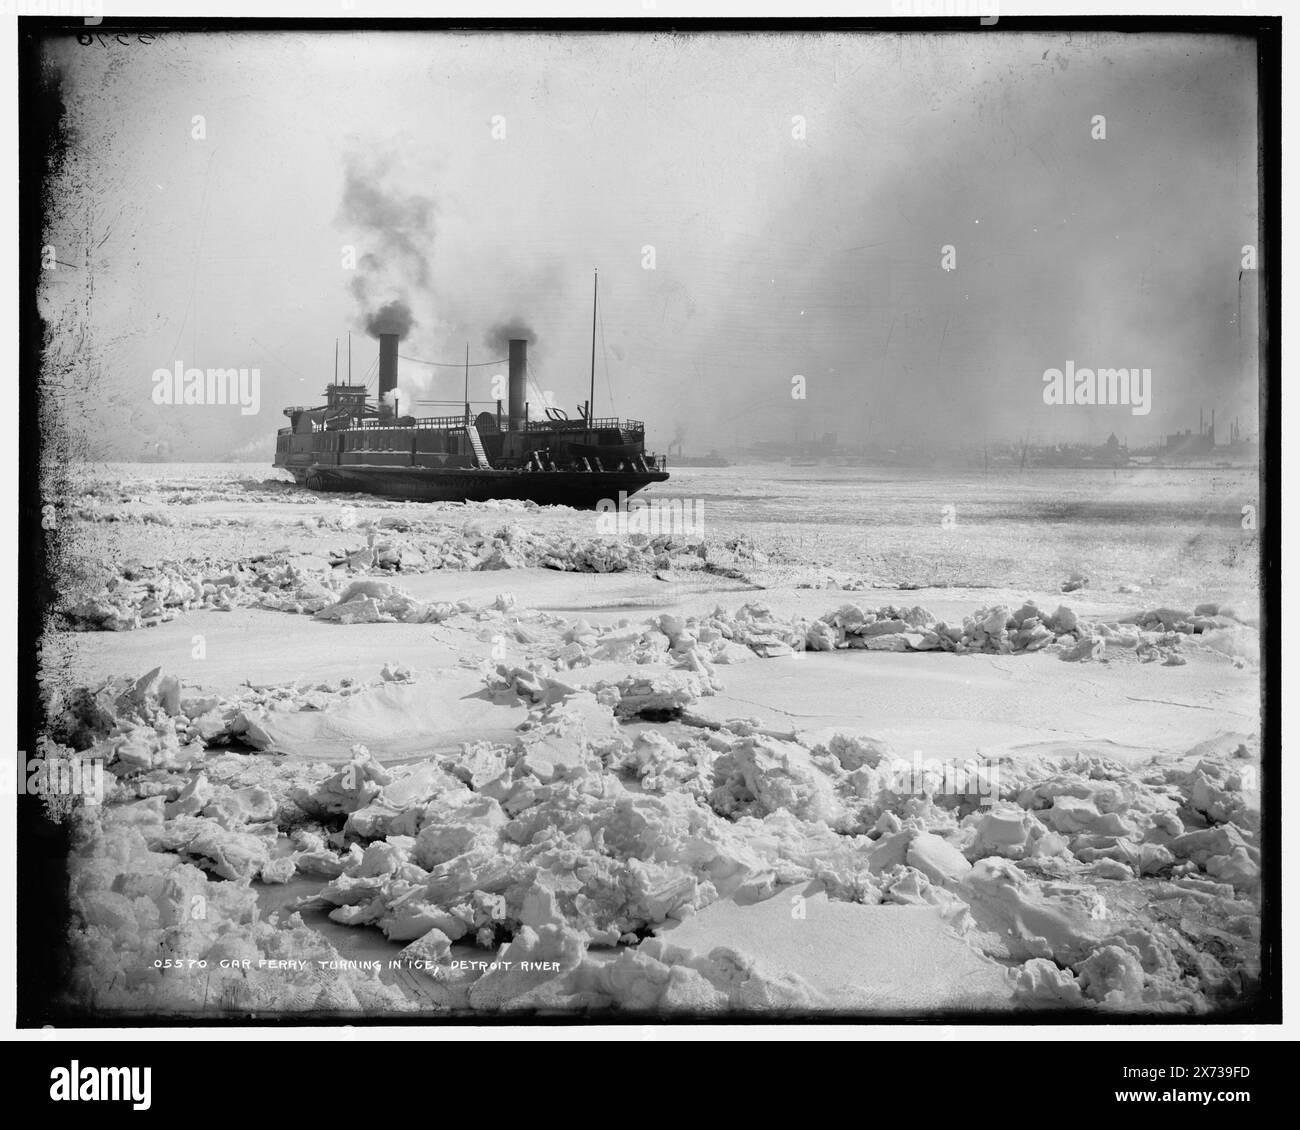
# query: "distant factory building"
[[1185, 443]]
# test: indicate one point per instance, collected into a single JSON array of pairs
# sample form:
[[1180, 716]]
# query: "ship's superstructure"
[[351, 443]]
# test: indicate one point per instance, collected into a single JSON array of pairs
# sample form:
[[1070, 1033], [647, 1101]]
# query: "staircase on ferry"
[[476, 442]]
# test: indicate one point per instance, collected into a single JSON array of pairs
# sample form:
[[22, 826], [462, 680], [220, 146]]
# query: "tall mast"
[[349, 356], [591, 398], [336, 360], [467, 382]]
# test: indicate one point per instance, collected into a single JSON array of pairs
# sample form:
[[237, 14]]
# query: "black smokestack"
[[518, 382], [387, 367]]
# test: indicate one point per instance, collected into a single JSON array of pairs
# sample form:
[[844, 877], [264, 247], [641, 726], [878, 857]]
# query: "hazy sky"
[[774, 255]]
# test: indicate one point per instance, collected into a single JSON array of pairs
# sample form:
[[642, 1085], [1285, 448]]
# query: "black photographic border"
[[42, 874]]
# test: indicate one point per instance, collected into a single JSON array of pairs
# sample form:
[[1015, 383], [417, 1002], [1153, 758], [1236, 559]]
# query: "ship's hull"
[[579, 489]]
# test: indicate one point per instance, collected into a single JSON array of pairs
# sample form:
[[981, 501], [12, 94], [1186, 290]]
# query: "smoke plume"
[[396, 230], [392, 318], [502, 334]]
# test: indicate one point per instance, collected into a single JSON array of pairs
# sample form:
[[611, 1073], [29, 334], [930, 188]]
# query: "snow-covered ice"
[[415, 763]]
